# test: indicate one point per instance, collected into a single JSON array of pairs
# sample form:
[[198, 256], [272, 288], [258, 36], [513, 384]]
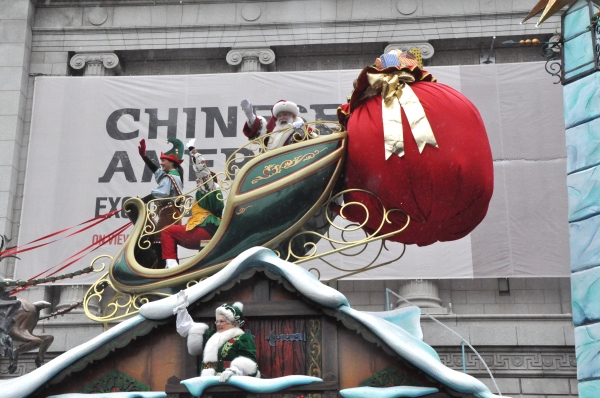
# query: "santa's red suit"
[[282, 133]]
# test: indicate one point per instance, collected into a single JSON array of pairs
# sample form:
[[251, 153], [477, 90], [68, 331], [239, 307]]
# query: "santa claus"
[[280, 128]]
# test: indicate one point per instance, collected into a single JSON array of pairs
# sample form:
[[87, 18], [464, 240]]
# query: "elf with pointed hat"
[[226, 350], [169, 175], [284, 117]]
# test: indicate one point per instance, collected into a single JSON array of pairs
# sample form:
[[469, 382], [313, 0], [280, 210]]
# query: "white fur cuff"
[[198, 328], [195, 340], [246, 365], [207, 372]]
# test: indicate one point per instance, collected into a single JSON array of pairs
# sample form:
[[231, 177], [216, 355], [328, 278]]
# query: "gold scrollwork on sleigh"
[[242, 210], [342, 245], [274, 169], [258, 146], [120, 305]]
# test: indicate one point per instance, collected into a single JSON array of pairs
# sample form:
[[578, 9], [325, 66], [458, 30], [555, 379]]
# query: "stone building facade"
[[524, 335]]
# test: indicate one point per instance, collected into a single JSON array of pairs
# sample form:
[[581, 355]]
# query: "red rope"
[[104, 241], [79, 256], [19, 249], [98, 245]]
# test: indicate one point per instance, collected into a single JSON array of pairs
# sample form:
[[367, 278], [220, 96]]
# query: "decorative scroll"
[[257, 147], [242, 210], [552, 51], [343, 244], [313, 348], [274, 169], [180, 206], [121, 305]]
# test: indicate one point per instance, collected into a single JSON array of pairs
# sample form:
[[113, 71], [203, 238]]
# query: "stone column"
[[16, 19], [97, 64], [426, 48], [251, 59], [422, 293]]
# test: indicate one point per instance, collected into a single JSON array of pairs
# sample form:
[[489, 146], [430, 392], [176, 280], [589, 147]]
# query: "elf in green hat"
[[170, 174], [169, 177], [226, 350]]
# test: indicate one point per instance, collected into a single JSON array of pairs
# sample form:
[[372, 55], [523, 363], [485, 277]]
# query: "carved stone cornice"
[[426, 48], [251, 59], [96, 64], [509, 361]]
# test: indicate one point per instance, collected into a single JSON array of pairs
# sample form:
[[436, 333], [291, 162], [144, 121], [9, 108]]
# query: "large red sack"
[[444, 190]]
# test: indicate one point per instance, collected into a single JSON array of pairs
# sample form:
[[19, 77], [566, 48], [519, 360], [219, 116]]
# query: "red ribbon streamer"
[[98, 245], [18, 249]]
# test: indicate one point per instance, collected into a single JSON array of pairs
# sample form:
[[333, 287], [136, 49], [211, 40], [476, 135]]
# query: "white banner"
[[83, 158]]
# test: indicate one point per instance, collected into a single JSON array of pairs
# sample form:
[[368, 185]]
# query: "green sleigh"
[[269, 199]]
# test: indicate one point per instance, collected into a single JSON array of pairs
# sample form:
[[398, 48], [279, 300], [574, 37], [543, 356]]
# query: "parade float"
[[411, 160], [434, 186]]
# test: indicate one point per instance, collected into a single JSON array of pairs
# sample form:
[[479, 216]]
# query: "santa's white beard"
[[283, 123]]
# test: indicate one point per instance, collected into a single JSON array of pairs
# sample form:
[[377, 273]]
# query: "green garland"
[[51, 279]]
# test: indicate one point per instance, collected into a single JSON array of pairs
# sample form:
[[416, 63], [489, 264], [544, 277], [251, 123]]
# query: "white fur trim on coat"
[[195, 339], [216, 341], [246, 365], [280, 136], [285, 106]]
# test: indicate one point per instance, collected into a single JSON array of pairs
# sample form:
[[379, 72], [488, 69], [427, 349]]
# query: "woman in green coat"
[[227, 350]]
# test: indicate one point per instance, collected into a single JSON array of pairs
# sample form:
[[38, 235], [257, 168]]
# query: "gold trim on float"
[[120, 305], [344, 244], [272, 170], [242, 210], [309, 131]]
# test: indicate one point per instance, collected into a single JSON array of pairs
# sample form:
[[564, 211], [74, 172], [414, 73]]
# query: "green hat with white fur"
[[233, 313]]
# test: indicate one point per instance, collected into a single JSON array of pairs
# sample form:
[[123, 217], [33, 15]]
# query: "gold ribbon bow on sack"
[[396, 94]]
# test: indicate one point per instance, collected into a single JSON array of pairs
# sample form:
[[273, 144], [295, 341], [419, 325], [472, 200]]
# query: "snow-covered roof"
[[400, 329]]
